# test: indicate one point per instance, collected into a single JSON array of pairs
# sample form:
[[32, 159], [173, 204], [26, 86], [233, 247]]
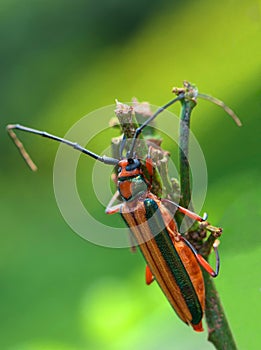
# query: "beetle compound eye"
[[133, 164]]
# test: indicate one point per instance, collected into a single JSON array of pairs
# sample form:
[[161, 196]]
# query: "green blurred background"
[[63, 59]]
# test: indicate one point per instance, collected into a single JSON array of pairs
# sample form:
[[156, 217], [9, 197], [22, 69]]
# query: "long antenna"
[[139, 130], [21, 148], [191, 92], [27, 158], [221, 104]]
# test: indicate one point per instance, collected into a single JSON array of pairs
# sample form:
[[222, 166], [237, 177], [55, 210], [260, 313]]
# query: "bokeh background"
[[63, 59]]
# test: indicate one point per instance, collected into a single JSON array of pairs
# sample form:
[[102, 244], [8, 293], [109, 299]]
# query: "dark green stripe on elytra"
[[170, 255]]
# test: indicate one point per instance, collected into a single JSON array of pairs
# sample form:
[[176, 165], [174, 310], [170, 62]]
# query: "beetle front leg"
[[113, 209]]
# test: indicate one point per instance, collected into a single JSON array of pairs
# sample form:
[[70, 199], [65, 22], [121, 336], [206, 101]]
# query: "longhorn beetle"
[[171, 259]]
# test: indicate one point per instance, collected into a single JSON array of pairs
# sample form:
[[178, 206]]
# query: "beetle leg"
[[148, 275], [216, 231], [206, 266], [113, 209], [185, 211]]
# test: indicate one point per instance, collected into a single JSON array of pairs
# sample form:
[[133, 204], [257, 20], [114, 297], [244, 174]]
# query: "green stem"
[[186, 109], [219, 332]]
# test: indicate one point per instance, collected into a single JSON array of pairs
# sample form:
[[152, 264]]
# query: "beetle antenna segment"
[[139, 130], [122, 145], [221, 104], [27, 158], [21, 148]]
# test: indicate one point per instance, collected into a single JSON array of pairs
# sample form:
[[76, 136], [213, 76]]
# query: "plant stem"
[[219, 332], [186, 109]]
